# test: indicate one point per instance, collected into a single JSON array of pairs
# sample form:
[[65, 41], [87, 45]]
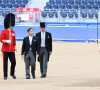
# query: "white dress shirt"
[[30, 41], [43, 39]]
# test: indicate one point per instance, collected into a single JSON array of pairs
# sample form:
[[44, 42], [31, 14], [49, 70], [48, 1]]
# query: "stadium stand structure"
[[11, 4], [77, 11], [73, 10], [72, 20]]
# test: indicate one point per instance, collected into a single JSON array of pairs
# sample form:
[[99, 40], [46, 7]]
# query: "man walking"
[[28, 53], [44, 48], [8, 39]]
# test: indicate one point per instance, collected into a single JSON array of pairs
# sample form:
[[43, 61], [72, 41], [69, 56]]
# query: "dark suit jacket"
[[26, 46], [48, 42]]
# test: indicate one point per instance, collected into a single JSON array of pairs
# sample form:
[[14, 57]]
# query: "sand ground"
[[72, 66]]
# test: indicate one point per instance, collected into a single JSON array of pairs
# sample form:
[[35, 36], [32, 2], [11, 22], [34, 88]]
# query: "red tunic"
[[5, 36]]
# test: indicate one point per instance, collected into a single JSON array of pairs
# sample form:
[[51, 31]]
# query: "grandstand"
[[76, 18], [81, 11]]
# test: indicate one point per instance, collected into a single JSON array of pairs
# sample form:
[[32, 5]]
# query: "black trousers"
[[11, 56]]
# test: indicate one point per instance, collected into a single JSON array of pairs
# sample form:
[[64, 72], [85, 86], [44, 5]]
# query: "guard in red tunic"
[[8, 41]]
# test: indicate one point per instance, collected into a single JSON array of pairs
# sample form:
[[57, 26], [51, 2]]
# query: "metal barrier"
[[23, 15]]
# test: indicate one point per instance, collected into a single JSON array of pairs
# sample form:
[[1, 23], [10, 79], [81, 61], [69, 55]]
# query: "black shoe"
[[14, 77], [5, 78], [27, 77], [43, 76]]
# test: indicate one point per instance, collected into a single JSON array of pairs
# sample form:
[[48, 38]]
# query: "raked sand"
[[72, 66]]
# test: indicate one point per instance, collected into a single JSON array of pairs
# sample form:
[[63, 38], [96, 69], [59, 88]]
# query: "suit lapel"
[[32, 40], [45, 37], [28, 40], [40, 37]]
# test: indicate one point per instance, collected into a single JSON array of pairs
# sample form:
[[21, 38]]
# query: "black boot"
[[13, 76]]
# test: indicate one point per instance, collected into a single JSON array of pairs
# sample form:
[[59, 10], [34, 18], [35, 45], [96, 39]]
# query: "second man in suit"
[[44, 48], [28, 53]]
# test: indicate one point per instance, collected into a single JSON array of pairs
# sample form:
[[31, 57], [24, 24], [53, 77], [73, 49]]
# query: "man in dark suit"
[[44, 48], [28, 53]]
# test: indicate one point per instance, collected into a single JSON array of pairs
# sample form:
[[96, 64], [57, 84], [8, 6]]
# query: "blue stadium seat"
[[45, 8], [22, 5], [78, 1], [64, 1], [1, 12], [65, 8], [64, 14], [88, 6], [75, 6], [91, 15], [81, 6], [4, 13], [71, 1], [14, 8], [15, 5], [84, 14], [68, 5], [97, 1], [62, 5], [12, 1], [9, 5], [25, 1], [60, 8], [84, 1], [19, 1], [54, 8], [95, 6], [51, 1], [91, 1], [2, 4], [44, 14], [49, 5], [6, 1], [51, 14], [55, 5], [56, 14], [58, 1], [70, 14]]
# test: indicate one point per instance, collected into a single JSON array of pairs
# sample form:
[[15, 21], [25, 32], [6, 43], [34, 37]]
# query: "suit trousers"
[[29, 61], [43, 58]]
